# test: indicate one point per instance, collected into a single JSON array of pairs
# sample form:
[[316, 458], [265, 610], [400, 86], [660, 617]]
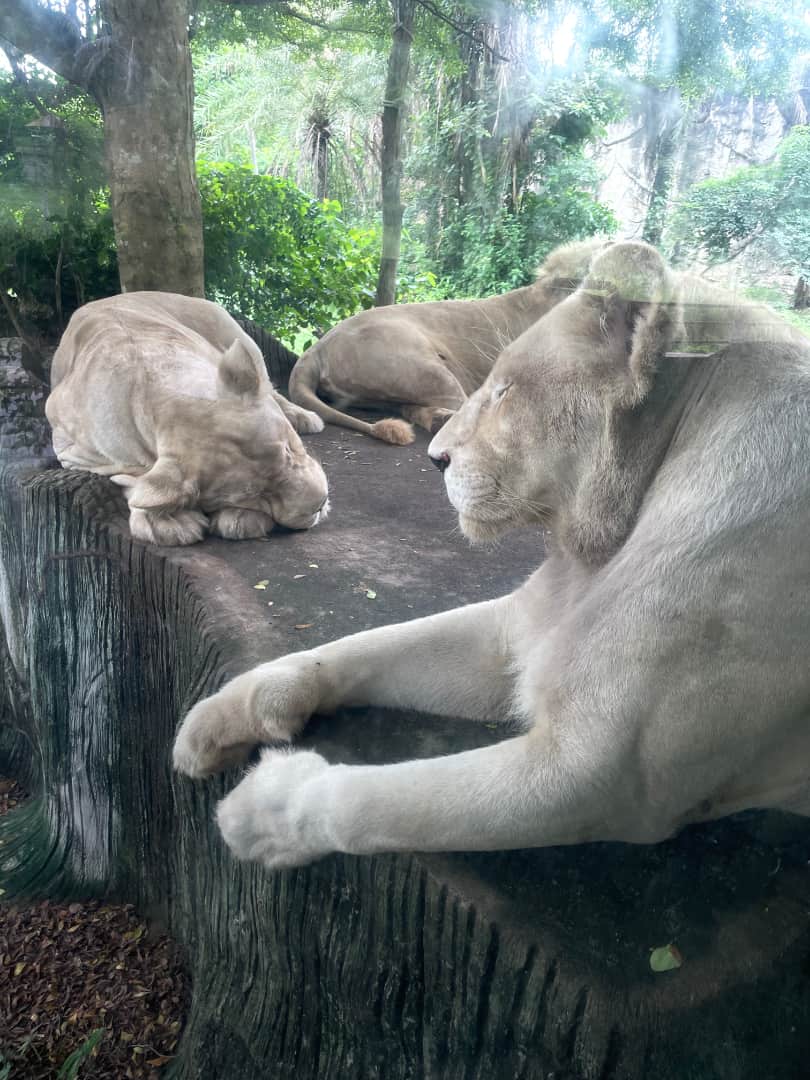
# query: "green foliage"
[[265, 107], [275, 255], [502, 180], [56, 238], [705, 46], [57, 254], [71, 1065], [272, 254], [767, 203], [503, 250], [775, 298], [310, 25]]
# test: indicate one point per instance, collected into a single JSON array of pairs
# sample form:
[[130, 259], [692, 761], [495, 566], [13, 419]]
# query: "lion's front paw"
[[207, 741], [232, 523], [274, 816], [271, 703], [307, 423], [180, 527]]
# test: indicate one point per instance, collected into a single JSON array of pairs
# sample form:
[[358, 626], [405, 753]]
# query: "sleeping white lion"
[[655, 666], [168, 396]]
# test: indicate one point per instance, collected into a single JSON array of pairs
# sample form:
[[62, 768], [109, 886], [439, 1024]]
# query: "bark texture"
[[396, 84], [480, 967], [147, 95]]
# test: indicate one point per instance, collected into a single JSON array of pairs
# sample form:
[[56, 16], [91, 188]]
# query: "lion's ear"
[[639, 312], [567, 266], [239, 371], [164, 487]]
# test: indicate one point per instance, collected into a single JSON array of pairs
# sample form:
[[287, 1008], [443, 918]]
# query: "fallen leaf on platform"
[[303, 625], [665, 958], [262, 584], [371, 594]]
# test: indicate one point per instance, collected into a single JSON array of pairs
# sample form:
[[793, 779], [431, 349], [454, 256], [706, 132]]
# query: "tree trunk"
[[391, 160], [664, 124], [148, 103], [139, 71], [801, 295]]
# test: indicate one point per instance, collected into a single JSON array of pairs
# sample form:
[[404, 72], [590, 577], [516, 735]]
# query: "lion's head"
[[524, 447], [236, 457]]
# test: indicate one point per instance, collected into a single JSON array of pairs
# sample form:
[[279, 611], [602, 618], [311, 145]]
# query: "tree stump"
[[531, 964]]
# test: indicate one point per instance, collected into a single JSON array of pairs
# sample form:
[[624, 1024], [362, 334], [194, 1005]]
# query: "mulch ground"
[[85, 990]]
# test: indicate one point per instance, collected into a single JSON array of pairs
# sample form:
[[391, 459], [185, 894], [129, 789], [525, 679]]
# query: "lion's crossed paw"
[[233, 523], [174, 529], [271, 817], [206, 742], [272, 703]]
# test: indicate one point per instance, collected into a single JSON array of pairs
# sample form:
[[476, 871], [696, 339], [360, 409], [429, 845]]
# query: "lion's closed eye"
[[499, 392]]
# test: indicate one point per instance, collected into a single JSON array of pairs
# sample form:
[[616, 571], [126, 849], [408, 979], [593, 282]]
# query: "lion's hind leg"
[[427, 416], [429, 395]]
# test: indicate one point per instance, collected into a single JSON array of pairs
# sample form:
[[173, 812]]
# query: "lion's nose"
[[442, 461]]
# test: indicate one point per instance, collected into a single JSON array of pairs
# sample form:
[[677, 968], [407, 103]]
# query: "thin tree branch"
[[436, 13], [284, 9], [49, 36], [755, 235], [635, 179], [757, 231], [745, 157], [624, 138], [14, 57]]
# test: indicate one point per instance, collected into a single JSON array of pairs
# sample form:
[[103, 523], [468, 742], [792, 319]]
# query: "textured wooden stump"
[[524, 964]]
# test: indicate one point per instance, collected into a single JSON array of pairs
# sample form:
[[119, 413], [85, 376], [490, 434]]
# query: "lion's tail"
[[304, 380]]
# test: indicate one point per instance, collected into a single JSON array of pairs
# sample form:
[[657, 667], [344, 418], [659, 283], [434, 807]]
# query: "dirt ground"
[[85, 990]]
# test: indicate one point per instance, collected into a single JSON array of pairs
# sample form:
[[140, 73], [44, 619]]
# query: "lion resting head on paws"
[[167, 396]]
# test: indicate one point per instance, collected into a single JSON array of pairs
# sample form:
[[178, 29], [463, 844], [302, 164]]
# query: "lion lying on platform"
[[167, 396], [424, 359], [655, 665]]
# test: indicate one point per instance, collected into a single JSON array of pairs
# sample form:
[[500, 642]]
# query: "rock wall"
[[713, 140]]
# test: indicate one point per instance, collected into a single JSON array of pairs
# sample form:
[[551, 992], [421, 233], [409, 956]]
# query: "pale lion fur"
[[655, 664], [424, 359], [168, 396]]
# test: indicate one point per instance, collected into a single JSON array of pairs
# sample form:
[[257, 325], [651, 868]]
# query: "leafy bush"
[[275, 255], [272, 254], [56, 237], [56, 257]]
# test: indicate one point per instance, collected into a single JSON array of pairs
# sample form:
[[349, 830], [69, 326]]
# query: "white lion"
[[424, 359], [169, 397], [656, 664]]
